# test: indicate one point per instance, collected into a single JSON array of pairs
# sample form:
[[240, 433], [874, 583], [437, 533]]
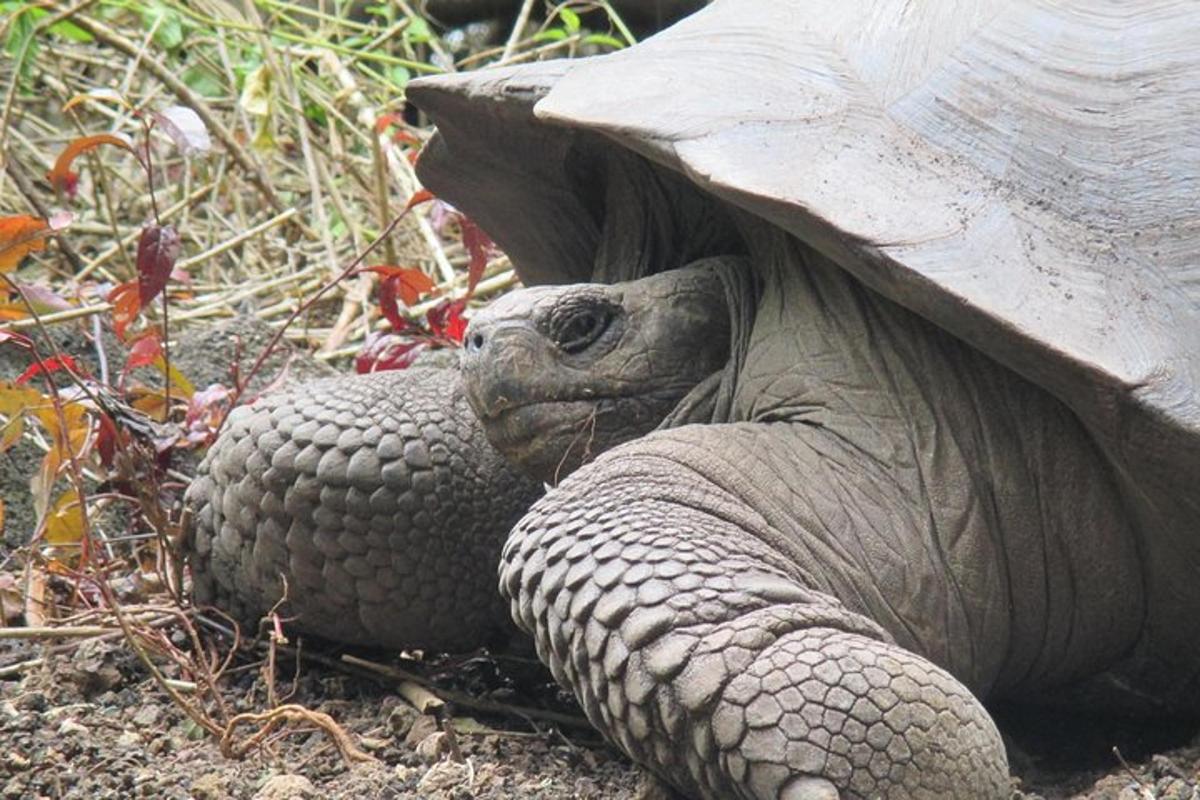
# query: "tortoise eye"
[[580, 330]]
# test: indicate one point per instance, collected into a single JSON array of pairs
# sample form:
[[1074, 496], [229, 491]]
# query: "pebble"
[[70, 727], [286, 787]]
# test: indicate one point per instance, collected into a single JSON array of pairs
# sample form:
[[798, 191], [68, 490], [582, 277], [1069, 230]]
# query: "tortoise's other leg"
[[376, 497], [696, 641]]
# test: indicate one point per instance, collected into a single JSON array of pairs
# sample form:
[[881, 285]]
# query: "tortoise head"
[[558, 374]]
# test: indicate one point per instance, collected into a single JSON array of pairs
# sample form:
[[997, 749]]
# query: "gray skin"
[[806, 601], [557, 377], [376, 504]]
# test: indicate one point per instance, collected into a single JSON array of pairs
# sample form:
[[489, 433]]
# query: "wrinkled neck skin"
[[559, 374], [931, 489]]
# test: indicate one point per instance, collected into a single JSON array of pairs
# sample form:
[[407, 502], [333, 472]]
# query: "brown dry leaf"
[[35, 599]]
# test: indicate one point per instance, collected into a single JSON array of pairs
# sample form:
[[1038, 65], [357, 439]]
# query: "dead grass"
[[311, 161]]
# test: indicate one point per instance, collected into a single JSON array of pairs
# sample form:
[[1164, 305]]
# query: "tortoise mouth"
[[549, 438]]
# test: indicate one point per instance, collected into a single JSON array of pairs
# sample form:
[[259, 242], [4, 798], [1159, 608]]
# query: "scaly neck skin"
[[962, 501]]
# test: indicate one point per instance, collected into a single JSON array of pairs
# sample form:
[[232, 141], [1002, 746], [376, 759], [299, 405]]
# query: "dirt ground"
[[87, 723]]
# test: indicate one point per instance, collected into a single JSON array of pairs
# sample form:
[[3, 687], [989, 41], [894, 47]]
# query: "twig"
[[464, 699], [518, 27], [51, 632], [270, 720]]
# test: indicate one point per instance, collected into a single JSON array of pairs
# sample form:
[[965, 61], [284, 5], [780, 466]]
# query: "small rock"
[[129, 739], [16, 762], [371, 744], [70, 727], [32, 701], [400, 720], [421, 729], [146, 716], [443, 775], [209, 787], [433, 747], [286, 787]]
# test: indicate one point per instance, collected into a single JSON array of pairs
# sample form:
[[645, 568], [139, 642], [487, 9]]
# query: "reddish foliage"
[[143, 352], [387, 120], [479, 246], [106, 439], [126, 306], [446, 320], [62, 178], [52, 364], [387, 351], [421, 196], [405, 283], [158, 248]]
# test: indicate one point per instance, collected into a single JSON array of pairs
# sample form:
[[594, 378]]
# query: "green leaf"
[[20, 43], [70, 31], [202, 81], [604, 40], [552, 35], [316, 113], [417, 31], [398, 76], [169, 31], [570, 19]]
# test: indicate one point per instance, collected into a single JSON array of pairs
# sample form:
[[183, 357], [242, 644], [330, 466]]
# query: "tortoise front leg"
[[374, 499], [694, 643]]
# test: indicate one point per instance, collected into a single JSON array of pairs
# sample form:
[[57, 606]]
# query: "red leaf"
[[404, 282], [158, 248], [446, 320], [389, 307], [106, 440], [143, 352], [61, 177], [52, 364], [386, 352], [387, 120], [124, 299], [480, 246], [420, 196]]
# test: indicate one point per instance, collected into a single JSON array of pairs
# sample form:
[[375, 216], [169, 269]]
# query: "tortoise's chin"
[[550, 439], [547, 439]]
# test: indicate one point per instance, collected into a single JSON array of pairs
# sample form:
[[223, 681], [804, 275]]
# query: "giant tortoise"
[[951, 449]]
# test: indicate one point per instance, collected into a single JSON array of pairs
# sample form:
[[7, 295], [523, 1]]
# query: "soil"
[[87, 723]]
